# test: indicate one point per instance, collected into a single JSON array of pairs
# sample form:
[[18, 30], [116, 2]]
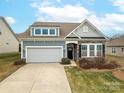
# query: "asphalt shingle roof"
[[65, 29]]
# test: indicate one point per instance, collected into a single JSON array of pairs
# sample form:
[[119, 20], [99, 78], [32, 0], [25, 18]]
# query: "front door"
[[70, 52]]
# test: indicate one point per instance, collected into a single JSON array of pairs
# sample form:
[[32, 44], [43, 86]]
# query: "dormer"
[[44, 31]]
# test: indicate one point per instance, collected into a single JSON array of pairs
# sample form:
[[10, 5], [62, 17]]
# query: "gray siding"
[[91, 31], [43, 43], [118, 50]]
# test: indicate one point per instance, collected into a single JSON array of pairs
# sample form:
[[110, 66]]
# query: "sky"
[[106, 15]]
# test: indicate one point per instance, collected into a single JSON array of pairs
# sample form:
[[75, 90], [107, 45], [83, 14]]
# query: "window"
[[99, 50], [85, 28], [37, 31], [45, 31], [52, 31], [92, 50], [84, 50], [122, 49], [113, 50]]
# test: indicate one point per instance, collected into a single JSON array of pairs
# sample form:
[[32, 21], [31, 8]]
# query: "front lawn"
[[6, 64], [116, 58], [93, 82]]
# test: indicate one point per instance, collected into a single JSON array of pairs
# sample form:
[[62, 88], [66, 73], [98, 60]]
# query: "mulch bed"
[[118, 73]]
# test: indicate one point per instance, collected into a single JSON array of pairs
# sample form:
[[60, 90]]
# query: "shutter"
[[103, 47], [79, 51]]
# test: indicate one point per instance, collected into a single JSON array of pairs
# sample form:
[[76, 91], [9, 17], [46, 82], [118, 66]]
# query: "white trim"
[[65, 50], [67, 42], [21, 49], [52, 34], [48, 31], [34, 32], [88, 49], [91, 44], [89, 24], [77, 35], [42, 47], [73, 33], [95, 50]]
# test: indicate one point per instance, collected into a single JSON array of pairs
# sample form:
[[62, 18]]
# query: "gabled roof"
[[115, 42], [4, 20], [86, 21], [65, 28]]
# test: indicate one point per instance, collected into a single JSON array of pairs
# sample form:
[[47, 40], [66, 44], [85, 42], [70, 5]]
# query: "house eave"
[[59, 39], [115, 45]]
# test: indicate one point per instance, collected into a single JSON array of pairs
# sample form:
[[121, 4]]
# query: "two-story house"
[[51, 41]]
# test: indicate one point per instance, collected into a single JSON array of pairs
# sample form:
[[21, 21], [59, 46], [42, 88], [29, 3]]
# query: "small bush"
[[65, 61], [99, 60], [20, 62], [97, 63], [114, 64], [85, 63], [110, 65]]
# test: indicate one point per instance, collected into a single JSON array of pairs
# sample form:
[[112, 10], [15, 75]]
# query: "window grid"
[[93, 50], [84, 50], [113, 50], [54, 33], [99, 50]]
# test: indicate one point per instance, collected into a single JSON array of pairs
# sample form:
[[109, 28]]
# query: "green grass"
[[116, 58], [93, 82], [6, 64]]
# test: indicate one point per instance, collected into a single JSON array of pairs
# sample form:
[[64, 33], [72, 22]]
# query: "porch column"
[[77, 51], [65, 50]]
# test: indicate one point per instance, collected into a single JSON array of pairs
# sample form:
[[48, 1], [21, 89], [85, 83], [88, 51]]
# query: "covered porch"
[[76, 49]]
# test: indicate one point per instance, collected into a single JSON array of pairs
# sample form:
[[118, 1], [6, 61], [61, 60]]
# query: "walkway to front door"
[[37, 78]]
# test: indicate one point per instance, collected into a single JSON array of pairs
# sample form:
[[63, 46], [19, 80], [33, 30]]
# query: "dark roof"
[[116, 42]]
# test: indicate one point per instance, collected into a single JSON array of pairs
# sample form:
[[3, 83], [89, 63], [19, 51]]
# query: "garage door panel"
[[44, 54]]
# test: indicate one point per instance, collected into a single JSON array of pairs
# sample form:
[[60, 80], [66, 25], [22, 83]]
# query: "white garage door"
[[44, 54]]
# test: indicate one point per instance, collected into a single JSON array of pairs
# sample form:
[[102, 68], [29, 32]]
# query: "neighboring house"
[[8, 40], [51, 41], [115, 47]]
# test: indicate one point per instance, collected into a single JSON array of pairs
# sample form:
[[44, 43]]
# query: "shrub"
[[20, 62], [110, 65], [65, 61], [98, 62], [85, 63]]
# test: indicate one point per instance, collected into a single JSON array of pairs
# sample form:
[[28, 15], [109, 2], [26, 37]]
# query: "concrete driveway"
[[37, 78]]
